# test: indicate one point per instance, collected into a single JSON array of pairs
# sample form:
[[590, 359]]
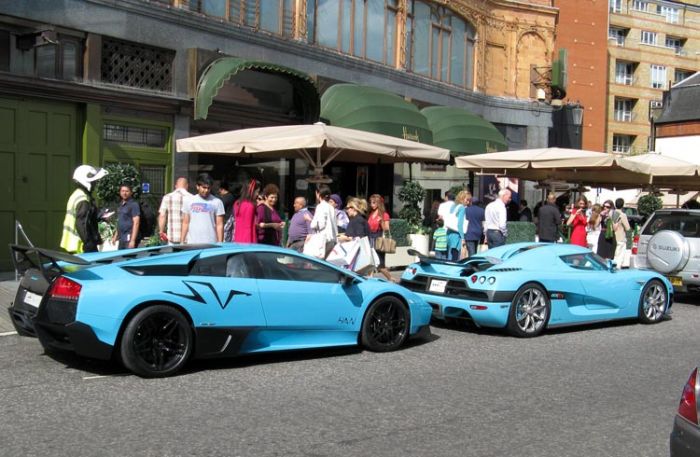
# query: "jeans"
[[472, 246], [495, 238]]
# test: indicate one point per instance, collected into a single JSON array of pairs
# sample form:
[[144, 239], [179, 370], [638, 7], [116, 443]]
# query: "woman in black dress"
[[606, 247]]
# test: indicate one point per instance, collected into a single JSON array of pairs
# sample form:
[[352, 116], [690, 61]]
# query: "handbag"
[[315, 246], [344, 253], [609, 232], [451, 221], [385, 244]]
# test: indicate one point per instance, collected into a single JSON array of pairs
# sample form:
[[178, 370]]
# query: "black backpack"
[[147, 225]]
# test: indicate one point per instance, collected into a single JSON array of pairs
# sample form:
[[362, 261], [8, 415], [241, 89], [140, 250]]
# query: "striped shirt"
[[171, 206], [440, 238]]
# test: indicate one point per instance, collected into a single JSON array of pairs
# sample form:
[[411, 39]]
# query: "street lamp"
[[577, 116]]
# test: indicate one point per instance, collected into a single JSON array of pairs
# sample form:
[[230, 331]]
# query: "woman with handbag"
[[378, 222], [606, 240]]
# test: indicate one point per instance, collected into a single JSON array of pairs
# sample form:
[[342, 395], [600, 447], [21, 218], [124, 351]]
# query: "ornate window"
[[136, 65], [274, 16], [442, 44], [363, 28]]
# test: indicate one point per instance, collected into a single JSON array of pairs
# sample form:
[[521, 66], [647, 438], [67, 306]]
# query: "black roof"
[[682, 101]]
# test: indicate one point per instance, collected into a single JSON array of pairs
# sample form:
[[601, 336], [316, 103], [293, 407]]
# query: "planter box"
[[400, 258]]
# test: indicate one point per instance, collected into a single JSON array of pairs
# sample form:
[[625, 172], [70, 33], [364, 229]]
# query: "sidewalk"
[[8, 289]]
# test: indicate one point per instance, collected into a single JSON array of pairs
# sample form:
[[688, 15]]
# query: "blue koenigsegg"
[[155, 308], [527, 287]]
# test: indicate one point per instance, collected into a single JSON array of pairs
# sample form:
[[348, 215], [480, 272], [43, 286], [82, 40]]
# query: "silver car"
[[669, 243]]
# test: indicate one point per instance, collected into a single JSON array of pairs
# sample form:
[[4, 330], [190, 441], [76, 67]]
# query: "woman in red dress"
[[245, 217], [577, 220]]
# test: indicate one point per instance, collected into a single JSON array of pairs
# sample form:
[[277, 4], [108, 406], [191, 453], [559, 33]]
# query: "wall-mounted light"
[[32, 40]]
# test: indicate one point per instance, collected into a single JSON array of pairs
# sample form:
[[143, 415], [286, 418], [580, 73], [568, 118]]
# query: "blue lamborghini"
[[155, 308], [527, 287]]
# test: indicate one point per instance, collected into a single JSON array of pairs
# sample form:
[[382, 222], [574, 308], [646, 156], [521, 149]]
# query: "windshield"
[[585, 261]]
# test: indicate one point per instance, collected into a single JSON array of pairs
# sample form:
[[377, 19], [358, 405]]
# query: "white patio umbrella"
[[535, 158], [655, 164], [318, 144]]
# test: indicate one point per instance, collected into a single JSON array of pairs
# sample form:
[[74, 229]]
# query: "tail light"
[[635, 244], [688, 407], [65, 289]]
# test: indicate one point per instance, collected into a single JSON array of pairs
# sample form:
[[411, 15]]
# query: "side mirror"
[[611, 265]]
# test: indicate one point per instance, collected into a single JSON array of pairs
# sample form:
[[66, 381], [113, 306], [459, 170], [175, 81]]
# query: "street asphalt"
[[603, 390]]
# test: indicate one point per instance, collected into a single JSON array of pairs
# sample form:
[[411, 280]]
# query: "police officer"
[[80, 232]]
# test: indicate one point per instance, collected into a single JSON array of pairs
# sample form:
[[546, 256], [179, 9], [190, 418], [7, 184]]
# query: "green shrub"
[[648, 203], [399, 231], [107, 189], [412, 195], [519, 232]]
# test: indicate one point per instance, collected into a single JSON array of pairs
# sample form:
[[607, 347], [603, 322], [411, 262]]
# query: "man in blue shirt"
[[474, 214], [129, 218]]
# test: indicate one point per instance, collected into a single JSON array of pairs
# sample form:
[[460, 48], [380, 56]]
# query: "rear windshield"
[[686, 224]]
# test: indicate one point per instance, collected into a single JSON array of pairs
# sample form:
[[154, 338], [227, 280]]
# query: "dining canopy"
[[587, 168], [318, 144]]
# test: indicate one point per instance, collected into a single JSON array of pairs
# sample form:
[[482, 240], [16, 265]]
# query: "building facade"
[[104, 81], [651, 45]]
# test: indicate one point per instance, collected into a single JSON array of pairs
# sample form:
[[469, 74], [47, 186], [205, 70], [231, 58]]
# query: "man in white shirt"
[[446, 205], [496, 219]]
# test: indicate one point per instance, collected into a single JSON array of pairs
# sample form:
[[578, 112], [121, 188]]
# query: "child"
[[440, 240]]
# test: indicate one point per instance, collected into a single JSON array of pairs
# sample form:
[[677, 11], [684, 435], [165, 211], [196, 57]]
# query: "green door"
[[39, 148]]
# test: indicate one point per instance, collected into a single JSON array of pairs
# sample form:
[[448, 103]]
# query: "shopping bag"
[[385, 244], [343, 254], [364, 261], [450, 219], [315, 245]]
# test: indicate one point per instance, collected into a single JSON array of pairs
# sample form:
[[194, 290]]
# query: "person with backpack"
[[128, 220]]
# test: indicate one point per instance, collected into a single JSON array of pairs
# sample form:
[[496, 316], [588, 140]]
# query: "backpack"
[[147, 226]]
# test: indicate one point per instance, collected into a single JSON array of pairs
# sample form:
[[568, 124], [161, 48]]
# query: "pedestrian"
[[170, 212], [446, 205], [80, 232], [357, 224], [128, 220], [324, 218], [341, 217], [203, 215], [270, 225], [549, 220], [577, 221], [524, 212], [456, 225], [496, 218], [440, 240], [475, 216], [594, 227], [621, 226], [299, 225], [606, 239], [227, 199], [245, 214], [378, 221]]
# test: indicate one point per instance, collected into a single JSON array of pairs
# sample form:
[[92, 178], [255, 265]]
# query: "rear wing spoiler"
[[44, 260], [425, 260]]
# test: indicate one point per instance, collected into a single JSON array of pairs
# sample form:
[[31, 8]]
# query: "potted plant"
[[412, 195]]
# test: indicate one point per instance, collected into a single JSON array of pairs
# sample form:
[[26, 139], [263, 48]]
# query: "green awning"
[[374, 110], [463, 132], [222, 69]]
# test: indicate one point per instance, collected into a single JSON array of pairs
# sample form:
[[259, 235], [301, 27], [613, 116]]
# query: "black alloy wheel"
[[386, 325], [157, 342]]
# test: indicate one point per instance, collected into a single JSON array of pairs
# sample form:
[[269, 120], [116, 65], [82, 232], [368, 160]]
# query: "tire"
[[529, 312], [157, 342], [653, 302], [386, 325]]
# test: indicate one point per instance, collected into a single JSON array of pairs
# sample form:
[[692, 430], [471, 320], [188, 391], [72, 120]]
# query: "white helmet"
[[86, 174]]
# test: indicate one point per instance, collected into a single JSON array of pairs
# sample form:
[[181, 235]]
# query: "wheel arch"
[[396, 295], [136, 309]]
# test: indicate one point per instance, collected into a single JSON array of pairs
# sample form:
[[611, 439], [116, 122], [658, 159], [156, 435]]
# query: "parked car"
[[669, 243], [634, 217], [157, 308], [685, 437], [527, 287]]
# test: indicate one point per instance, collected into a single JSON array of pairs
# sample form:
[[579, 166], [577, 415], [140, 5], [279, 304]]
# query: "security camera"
[[541, 95]]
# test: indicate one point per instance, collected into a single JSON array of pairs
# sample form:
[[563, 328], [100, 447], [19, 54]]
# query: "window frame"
[[657, 76], [622, 143], [648, 37]]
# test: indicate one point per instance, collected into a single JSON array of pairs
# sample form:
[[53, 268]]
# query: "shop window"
[[136, 65], [154, 175], [136, 136], [363, 28], [275, 16], [59, 59]]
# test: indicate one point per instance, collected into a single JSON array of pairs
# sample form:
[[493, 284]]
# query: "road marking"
[[8, 333], [85, 378]]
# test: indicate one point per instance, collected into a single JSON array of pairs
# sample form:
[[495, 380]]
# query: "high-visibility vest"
[[71, 241]]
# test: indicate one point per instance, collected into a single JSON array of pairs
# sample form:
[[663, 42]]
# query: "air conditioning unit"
[[656, 104]]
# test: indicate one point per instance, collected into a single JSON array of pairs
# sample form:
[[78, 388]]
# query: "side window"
[[210, 266], [286, 267], [236, 267], [583, 262]]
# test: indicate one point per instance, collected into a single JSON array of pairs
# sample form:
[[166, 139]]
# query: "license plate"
[[32, 299], [676, 281], [437, 285]]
